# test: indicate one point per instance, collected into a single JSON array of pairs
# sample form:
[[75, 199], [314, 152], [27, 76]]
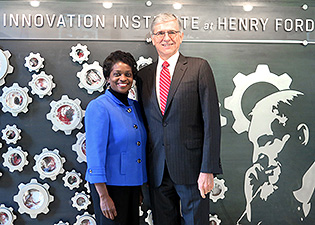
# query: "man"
[[183, 125], [278, 138]]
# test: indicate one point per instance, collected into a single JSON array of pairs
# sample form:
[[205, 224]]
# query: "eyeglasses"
[[171, 33]]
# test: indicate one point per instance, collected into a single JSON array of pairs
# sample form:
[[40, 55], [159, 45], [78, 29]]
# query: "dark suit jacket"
[[187, 137]]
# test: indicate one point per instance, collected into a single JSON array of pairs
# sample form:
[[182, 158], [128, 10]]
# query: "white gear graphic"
[[218, 191], [72, 179], [223, 119], [33, 198], [79, 147], [80, 200], [214, 220], [15, 99], [61, 223], [6, 215], [79, 53], [142, 62], [86, 185], [86, 218], [15, 159], [5, 67], [242, 82], [34, 62], [148, 40], [91, 77], [66, 115], [149, 219], [140, 211], [132, 94], [42, 84], [11, 134], [49, 164]]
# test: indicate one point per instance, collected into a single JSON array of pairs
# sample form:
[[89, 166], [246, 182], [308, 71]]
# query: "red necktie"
[[165, 82]]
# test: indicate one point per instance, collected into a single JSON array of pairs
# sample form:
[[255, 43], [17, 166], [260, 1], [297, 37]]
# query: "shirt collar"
[[172, 60]]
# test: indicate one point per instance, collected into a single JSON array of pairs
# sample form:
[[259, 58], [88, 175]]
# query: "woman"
[[115, 146]]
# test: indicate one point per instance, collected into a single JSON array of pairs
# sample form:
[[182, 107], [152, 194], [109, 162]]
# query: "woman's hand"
[[106, 203], [108, 207]]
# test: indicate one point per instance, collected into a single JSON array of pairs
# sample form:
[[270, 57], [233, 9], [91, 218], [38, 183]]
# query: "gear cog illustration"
[[242, 82], [223, 119], [80, 200], [86, 218], [91, 77], [218, 191], [140, 211], [15, 99], [142, 62], [87, 186], [42, 84], [79, 53], [149, 218], [11, 134], [61, 223], [72, 179], [49, 164], [5, 67], [66, 115], [79, 147], [33, 198], [15, 159], [6, 215], [34, 62], [132, 94], [214, 220]]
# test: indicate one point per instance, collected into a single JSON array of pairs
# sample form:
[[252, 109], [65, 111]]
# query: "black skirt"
[[126, 200]]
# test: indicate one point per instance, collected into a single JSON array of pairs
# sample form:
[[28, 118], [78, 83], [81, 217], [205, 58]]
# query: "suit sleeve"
[[97, 132], [211, 117]]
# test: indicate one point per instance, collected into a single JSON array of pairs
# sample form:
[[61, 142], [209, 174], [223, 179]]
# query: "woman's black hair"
[[119, 56]]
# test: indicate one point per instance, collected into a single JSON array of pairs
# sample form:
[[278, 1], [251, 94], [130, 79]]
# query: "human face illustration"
[[272, 127], [167, 38], [121, 77], [266, 146], [267, 143]]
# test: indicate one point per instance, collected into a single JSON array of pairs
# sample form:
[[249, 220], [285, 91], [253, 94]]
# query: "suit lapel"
[[180, 68], [152, 89]]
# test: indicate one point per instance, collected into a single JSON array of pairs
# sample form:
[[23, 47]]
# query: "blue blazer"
[[115, 142]]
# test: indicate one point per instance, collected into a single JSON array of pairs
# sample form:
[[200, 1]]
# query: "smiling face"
[[167, 46], [121, 77]]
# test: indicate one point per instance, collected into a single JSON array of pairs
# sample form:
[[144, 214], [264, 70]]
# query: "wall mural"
[[269, 130], [269, 127], [267, 148]]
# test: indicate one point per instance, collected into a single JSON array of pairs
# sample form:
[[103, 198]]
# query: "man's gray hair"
[[165, 17]]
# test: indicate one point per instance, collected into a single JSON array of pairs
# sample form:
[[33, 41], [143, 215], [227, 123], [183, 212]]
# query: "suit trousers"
[[126, 200], [174, 204]]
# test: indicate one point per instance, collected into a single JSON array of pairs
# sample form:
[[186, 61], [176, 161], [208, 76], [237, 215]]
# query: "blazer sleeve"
[[211, 117], [97, 133]]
